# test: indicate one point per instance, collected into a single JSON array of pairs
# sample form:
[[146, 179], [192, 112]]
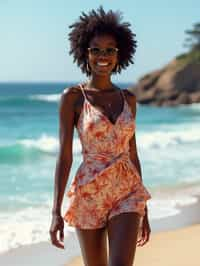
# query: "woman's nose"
[[103, 55]]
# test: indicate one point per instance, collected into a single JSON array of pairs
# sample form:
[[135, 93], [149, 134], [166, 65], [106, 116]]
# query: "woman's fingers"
[[144, 238], [61, 235], [54, 240]]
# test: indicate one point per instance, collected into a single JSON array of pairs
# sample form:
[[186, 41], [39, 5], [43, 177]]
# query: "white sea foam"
[[168, 201], [45, 143], [162, 139], [27, 226], [156, 139], [49, 144], [195, 106], [169, 206], [45, 97]]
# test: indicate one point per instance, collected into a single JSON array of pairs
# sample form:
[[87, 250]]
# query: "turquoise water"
[[168, 143]]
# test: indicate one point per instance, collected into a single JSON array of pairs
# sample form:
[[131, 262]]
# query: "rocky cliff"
[[176, 83]]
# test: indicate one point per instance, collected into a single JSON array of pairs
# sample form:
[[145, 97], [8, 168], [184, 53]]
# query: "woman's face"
[[102, 63]]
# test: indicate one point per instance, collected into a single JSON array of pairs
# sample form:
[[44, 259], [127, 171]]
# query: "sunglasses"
[[108, 51]]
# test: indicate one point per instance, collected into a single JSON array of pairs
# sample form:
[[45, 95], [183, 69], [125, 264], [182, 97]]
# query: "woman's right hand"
[[57, 224]]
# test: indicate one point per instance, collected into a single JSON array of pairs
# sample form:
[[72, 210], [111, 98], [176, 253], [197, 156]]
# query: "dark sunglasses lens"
[[95, 51], [110, 51], [107, 51]]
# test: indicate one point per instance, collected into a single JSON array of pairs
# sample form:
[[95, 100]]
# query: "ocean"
[[168, 142]]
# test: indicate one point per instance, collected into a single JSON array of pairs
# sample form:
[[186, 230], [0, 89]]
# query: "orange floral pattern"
[[107, 182]]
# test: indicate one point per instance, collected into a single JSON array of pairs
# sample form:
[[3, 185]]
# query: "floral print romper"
[[107, 182]]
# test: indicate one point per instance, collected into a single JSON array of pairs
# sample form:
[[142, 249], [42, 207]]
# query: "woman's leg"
[[122, 238], [93, 244]]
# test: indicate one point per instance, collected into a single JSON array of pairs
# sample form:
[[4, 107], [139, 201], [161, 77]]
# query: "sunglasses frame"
[[104, 51]]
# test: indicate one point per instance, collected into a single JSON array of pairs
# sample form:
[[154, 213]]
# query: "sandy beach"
[[174, 241], [172, 248]]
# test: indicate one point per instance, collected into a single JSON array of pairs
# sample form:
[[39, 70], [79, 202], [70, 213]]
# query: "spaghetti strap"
[[122, 92], [82, 89]]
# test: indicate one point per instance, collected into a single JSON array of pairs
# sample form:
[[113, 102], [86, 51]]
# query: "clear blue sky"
[[34, 45]]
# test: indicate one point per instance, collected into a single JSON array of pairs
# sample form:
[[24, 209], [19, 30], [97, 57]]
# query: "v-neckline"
[[105, 116]]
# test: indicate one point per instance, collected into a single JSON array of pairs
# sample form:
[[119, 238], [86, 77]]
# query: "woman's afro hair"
[[98, 23]]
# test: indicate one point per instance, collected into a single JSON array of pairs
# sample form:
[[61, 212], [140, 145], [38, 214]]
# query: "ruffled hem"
[[69, 219], [80, 216]]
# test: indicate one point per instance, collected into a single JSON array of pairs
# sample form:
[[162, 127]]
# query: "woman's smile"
[[102, 64]]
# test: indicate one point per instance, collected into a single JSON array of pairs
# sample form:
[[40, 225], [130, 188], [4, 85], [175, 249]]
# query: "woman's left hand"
[[145, 232]]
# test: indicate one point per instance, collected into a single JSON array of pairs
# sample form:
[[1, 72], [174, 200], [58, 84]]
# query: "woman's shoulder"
[[129, 92], [69, 98], [130, 96], [71, 93], [131, 99]]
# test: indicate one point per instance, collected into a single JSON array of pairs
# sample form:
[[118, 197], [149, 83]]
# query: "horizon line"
[[50, 81]]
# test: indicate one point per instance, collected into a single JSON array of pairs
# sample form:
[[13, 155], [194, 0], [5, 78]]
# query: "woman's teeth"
[[102, 64]]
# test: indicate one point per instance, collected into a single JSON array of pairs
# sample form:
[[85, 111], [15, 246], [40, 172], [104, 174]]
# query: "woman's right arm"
[[64, 160]]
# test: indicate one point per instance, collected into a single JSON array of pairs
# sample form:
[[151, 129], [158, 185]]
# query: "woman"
[[107, 197]]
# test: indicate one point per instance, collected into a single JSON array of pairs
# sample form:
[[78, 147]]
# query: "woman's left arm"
[[132, 143]]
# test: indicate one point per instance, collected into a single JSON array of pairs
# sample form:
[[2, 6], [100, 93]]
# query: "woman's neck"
[[100, 83]]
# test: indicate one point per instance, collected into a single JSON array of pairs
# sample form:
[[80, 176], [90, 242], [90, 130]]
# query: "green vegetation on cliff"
[[187, 58], [193, 42]]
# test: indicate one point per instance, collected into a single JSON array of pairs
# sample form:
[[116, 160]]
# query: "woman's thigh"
[[93, 244], [122, 238]]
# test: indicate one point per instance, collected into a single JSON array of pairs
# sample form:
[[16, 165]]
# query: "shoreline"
[[164, 230], [189, 215]]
